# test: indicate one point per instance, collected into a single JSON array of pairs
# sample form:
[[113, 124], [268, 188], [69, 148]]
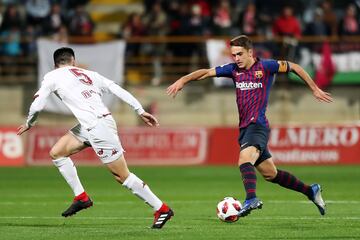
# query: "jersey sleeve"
[[274, 66], [110, 86], [39, 102], [225, 70]]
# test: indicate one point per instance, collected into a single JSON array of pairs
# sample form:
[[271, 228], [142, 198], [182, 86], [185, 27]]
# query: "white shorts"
[[103, 138]]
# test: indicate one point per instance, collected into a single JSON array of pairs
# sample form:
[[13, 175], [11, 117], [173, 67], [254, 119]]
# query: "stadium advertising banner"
[[215, 146], [293, 145], [108, 61], [315, 145], [11, 147], [143, 146]]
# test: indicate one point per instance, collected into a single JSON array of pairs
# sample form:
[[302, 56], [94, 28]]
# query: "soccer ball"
[[227, 210]]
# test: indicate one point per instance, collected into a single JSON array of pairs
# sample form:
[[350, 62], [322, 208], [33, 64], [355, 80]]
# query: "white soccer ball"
[[227, 210]]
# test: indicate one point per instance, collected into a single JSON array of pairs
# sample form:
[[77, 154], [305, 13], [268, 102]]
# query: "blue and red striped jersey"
[[253, 87]]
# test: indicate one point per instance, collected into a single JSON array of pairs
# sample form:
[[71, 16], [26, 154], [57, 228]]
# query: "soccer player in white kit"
[[81, 90]]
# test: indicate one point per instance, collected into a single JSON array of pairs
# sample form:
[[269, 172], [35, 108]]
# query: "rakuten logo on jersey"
[[248, 85]]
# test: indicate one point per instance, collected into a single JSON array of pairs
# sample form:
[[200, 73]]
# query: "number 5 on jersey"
[[81, 76]]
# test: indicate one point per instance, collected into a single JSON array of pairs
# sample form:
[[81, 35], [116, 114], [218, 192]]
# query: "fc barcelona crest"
[[258, 74]]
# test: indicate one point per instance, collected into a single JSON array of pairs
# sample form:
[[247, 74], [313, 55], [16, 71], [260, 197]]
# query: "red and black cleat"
[[80, 202], [161, 216]]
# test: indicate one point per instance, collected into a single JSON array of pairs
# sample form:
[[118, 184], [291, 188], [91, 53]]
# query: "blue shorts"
[[255, 135]]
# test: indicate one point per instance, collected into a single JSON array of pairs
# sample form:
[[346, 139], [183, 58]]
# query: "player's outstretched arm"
[[35, 108], [319, 94], [200, 74], [149, 119]]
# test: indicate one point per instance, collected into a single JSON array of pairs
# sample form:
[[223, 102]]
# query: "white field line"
[[146, 218], [177, 201]]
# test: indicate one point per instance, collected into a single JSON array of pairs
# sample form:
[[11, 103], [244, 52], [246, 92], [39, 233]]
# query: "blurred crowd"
[[28, 19], [252, 17], [23, 21]]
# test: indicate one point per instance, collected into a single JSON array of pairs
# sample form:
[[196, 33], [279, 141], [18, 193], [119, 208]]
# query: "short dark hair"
[[63, 56], [241, 41]]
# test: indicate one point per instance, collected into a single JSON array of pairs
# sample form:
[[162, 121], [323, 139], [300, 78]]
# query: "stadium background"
[[161, 41], [147, 45]]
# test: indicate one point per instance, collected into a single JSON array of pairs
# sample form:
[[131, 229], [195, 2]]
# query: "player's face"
[[242, 57]]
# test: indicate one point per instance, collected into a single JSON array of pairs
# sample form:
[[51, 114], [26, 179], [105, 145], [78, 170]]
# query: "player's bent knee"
[[54, 154], [269, 176]]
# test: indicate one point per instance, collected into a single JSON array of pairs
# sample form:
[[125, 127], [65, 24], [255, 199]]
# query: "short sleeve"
[[274, 66], [225, 70]]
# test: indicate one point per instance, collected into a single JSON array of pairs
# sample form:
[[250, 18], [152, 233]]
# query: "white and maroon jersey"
[[80, 90]]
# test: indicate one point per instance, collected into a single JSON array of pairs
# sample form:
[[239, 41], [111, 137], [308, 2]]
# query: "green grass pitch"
[[32, 199]]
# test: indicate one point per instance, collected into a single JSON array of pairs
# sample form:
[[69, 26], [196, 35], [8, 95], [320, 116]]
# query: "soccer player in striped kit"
[[253, 79]]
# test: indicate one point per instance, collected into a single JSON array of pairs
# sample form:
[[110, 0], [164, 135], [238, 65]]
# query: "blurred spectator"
[[80, 23], [174, 17], [196, 22], [287, 27], [248, 21], [287, 24], [29, 46], [329, 17], [11, 45], [205, 12], [156, 25], [156, 20], [11, 50], [36, 12], [133, 27], [179, 25], [349, 25], [222, 18], [1, 13], [317, 26], [54, 20], [11, 19], [61, 36]]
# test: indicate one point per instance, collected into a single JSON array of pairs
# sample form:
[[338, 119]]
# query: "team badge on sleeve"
[[259, 74], [283, 66]]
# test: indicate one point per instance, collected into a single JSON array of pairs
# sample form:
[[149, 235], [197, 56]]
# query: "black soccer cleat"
[[162, 216], [77, 206]]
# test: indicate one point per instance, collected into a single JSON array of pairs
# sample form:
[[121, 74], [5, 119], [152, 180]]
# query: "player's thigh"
[[105, 142], [249, 154], [119, 169], [267, 169], [253, 141], [66, 146]]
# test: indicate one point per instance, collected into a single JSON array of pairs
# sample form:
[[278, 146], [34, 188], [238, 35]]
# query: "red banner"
[[11, 147], [185, 146], [293, 145], [315, 145], [143, 146]]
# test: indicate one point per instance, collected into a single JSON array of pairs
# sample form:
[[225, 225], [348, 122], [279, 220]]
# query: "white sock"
[[141, 189], [68, 171]]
